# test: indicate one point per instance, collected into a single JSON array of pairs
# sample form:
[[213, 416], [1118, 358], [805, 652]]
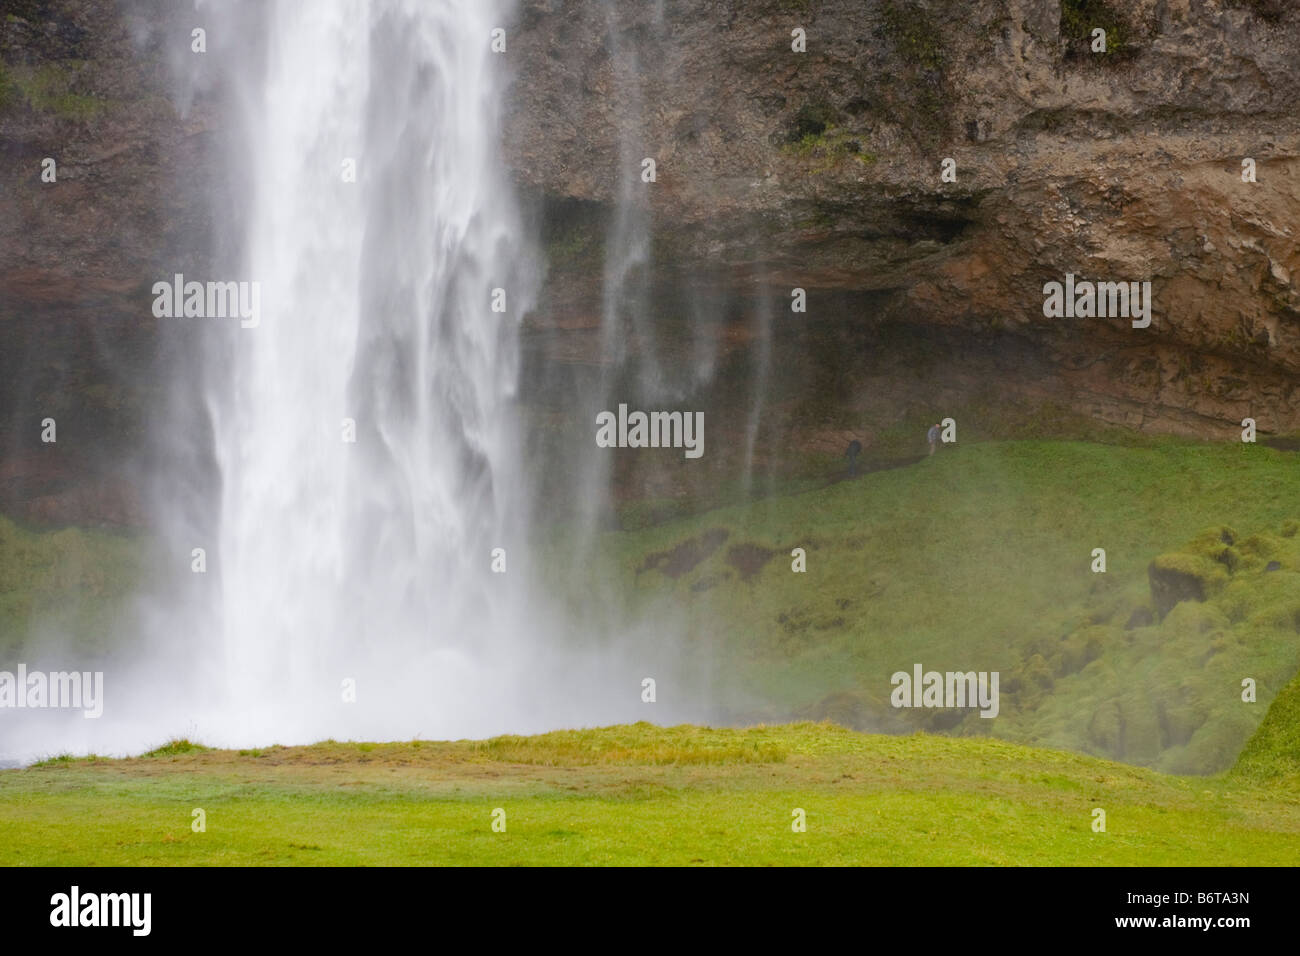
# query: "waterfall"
[[364, 436], [340, 489], [396, 566]]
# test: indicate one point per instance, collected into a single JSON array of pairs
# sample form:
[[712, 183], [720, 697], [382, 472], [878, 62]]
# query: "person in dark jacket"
[[855, 449], [932, 436]]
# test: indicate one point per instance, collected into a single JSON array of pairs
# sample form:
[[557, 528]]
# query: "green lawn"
[[642, 795]]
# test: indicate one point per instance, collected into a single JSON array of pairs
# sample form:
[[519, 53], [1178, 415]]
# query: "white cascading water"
[[374, 564], [349, 590], [369, 560]]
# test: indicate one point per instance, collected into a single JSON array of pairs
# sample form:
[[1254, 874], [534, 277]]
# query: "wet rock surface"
[[821, 170]]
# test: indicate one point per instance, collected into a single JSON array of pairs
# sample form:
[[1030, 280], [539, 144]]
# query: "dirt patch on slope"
[[748, 558], [677, 561]]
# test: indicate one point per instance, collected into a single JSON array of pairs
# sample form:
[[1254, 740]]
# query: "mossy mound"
[[1183, 577], [1169, 692], [1273, 752]]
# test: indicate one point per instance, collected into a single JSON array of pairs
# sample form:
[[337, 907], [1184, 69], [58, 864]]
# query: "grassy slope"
[[640, 794], [979, 559], [72, 584], [1273, 753]]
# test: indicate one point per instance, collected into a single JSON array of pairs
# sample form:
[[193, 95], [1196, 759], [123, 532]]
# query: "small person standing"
[[855, 449], [932, 436]]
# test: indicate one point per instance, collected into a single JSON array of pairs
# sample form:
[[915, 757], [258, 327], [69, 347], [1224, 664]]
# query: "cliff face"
[[774, 170], [822, 170], [88, 86]]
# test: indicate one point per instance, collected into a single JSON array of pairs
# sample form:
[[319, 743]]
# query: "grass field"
[[640, 794]]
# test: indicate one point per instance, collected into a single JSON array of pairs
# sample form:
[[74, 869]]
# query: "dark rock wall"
[[822, 170]]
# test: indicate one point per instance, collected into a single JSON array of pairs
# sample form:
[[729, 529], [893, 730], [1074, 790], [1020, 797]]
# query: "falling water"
[[369, 559], [398, 563], [346, 472]]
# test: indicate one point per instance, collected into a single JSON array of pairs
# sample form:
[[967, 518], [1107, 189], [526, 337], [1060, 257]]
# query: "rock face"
[[1171, 585], [822, 170], [774, 170], [88, 86]]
